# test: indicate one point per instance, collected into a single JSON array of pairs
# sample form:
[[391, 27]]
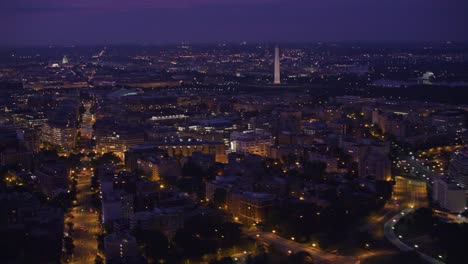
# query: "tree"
[[300, 257], [70, 227], [155, 243], [384, 189], [465, 214], [68, 243], [225, 260], [231, 233], [192, 245], [314, 170], [410, 257], [62, 200], [192, 169], [98, 260], [219, 197], [74, 160], [423, 219], [107, 158]]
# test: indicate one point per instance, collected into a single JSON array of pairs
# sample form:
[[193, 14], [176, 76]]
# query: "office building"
[[458, 168], [250, 207], [449, 195], [119, 247]]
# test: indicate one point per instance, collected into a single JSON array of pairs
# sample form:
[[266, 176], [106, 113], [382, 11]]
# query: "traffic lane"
[[289, 246]]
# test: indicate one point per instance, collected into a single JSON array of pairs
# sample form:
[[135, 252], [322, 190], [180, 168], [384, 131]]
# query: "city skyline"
[[234, 131]]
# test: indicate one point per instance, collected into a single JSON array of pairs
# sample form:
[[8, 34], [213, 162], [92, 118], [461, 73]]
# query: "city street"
[[417, 193], [85, 222], [290, 247], [85, 217]]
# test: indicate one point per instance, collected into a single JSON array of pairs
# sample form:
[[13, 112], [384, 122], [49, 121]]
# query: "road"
[[415, 192], [85, 222], [407, 193], [402, 197], [417, 169], [85, 219], [392, 237], [291, 247]]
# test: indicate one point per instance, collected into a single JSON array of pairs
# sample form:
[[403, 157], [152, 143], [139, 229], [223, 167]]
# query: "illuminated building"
[[116, 205], [59, 134], [288, 120], [221, 182], [52, 178], [167, 220], [332, 162], [120, 246], [250, 142], [159, 168], [186, 147], [117, 140], [449, 195], [250, 207], [451, 120], [458, 168], [375, 165]]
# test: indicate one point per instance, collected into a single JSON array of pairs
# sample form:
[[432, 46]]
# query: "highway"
[[291, 247]]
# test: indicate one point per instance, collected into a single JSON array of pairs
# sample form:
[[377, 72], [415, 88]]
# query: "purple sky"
[[31, 22]]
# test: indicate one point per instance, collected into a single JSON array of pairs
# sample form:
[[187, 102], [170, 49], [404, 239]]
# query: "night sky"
[[44, 22]]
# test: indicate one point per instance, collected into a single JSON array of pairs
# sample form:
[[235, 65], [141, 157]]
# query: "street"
[[85, 221], [290, 247], [86, 225]]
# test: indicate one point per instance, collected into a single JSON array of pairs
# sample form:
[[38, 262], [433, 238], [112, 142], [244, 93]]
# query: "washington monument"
[[277, 80]]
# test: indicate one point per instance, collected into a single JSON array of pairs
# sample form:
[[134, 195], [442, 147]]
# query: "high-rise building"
[[65, 60], [449, 195], [458, 168], [59, 133], [116, 205], [250, 207], [117, 138], [253, 142], [277, 80], [119, 247]]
